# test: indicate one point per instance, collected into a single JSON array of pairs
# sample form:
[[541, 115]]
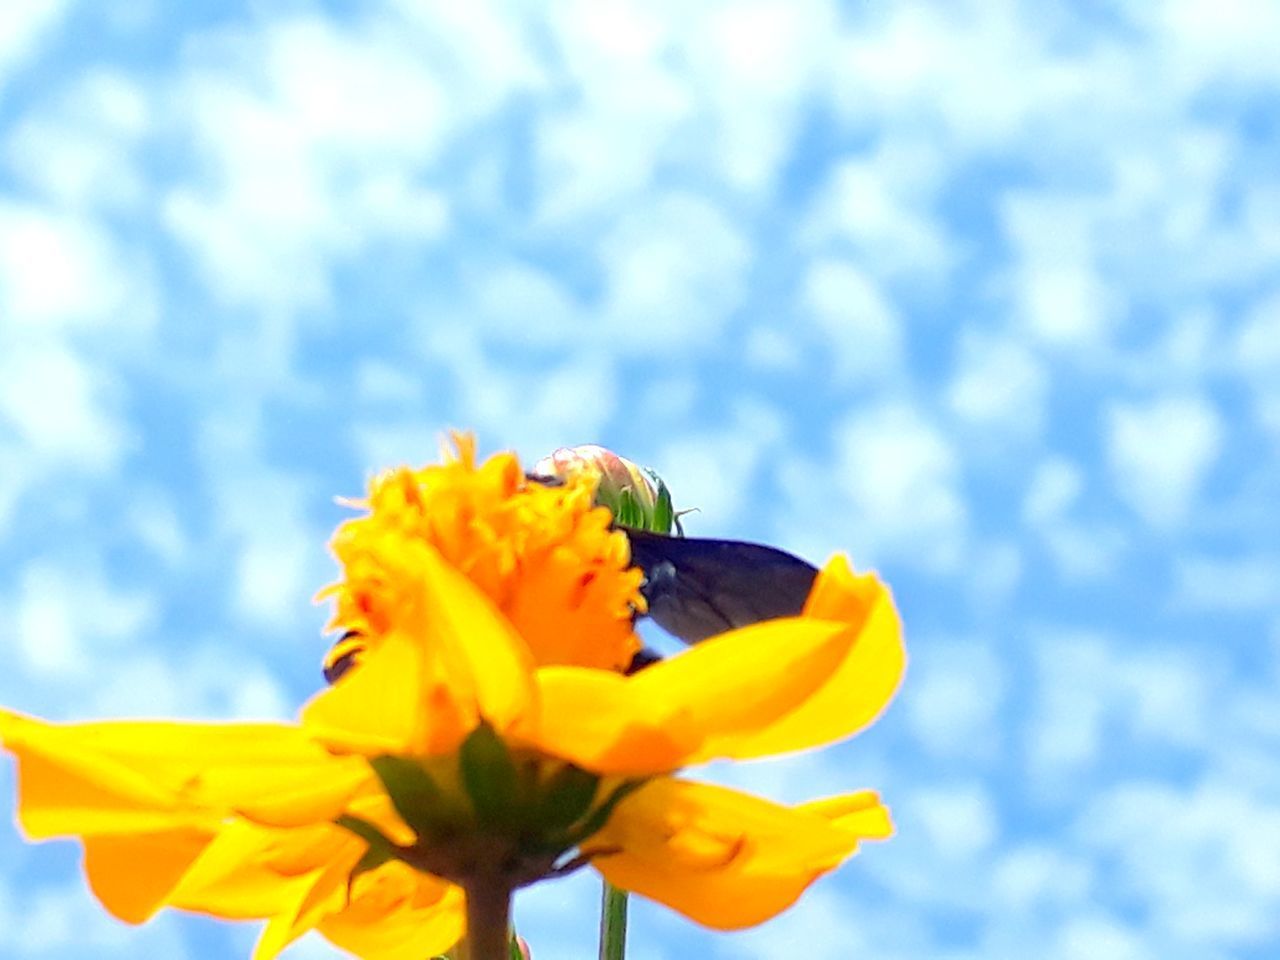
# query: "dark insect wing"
[[697, 588]]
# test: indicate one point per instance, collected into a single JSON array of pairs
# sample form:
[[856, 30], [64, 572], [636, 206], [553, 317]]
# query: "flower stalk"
[[488, 919], [613, 923]]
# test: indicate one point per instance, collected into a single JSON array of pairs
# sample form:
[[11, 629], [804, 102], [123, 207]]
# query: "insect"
[[696, 588]]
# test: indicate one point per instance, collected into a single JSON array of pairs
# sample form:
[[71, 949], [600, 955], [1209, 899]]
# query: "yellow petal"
[[324, 893], [861, 813], [743, 681], [132, 876], [395, 914], [722, 858], [424, 693], [856, 689], [381, 707], [595, 719], [149, 777], [690, 707], [250, 871]]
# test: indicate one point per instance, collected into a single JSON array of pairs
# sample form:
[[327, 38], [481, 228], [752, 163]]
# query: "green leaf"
[[566, 796], [378, 841], [490, 777], [601, 814], [412, 791]]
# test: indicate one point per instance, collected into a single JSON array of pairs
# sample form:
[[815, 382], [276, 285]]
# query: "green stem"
[[488, 921], [613, 923]]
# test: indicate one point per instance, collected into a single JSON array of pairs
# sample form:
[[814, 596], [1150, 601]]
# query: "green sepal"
[[381, 849], [490, 777], [664, 513], [412, 791], [601, 814], [373, 858], [566, 796]]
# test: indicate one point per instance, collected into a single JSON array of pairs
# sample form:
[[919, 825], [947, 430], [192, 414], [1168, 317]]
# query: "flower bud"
[[633, 494]]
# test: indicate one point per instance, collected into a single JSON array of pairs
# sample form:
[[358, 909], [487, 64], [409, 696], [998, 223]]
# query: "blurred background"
[[986, 294]]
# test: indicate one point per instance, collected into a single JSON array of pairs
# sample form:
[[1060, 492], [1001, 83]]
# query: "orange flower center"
[[544, 555]]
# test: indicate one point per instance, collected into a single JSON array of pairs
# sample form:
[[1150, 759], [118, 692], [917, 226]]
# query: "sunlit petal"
[[856, 689], [149, 777], [722, 858]]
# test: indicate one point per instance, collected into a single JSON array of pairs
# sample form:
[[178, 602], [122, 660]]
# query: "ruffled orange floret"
[[545, 556]]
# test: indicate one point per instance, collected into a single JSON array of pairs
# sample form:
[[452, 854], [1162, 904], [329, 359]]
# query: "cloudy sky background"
[[986, 294]]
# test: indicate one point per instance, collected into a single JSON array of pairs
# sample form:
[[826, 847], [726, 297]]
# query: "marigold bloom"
[[468, 745], [546, 556]]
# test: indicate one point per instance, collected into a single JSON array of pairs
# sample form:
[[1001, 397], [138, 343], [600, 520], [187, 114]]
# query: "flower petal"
[[861, 813], [742, 681], [725, 859], [423, 693], [690, 707], [596, 720], [425, 917], [132, 876], [139, 777], [251, 872], [855, 690]]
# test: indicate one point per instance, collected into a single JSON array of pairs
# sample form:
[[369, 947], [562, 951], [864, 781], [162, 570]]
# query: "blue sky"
[[986, 294]]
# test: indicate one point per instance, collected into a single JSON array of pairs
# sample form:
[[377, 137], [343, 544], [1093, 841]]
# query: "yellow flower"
[[544, 555], [459, 753]]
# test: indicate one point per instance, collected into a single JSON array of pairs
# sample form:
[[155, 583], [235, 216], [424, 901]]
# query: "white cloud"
[[59, 406], [1223, 41], [1234, 584], [1202, 860], [765, 52], [80, 151], [881, 205], [1033, 877], [713, 470], [1080, 549], [960, 821], [1055, 485], [857, 323], [999, 389], [64, 920], [844, 931], [1092, 690], [22, 27], [1159, 452], [519, 304], [1085, 551], [532, 408], [674, 272], [976, 72], [892, 490], [1056, 287], [69, 621], [630, 109], [210, 679], [1256, 348], [310, 159], [767, 348], [1101, 938], [953, 700], [59, 270]]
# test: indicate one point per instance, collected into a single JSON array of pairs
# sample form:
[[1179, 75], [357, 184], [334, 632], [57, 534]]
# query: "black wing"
[[697, 588]]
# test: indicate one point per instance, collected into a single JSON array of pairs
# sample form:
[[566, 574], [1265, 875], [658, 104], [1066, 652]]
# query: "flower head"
[[468, 749], [546, 556]]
